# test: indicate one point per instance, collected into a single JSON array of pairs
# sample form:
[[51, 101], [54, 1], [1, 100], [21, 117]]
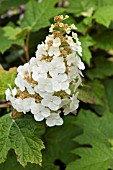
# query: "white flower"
[[40, 70], [41, 93], [24, 71], [54, 51], [60, 82], [79, 63], [33, 62], [73, 72], [20, 82], [56, 42], [54, 119], [74, 46], [38, 73], [48, 38], [68, 30], [17, 104], [74, 103], [71, 59], [40, 112], [74, 35], [27, 103], [72, 106], [44, 85], [41, 51], [56, 66], [51, 28], [64, 102], [73, 27], [52, 102], [10, 93]]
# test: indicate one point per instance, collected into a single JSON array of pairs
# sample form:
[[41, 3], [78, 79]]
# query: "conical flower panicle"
[[44, 83]]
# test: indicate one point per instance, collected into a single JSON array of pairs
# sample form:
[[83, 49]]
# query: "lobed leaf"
[[38, 15], [20, 135], [97, 134], [102, 68]]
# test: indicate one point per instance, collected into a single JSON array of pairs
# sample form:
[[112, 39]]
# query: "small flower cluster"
[[48, 83]]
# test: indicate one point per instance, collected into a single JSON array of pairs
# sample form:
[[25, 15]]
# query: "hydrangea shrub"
[[47, 84]]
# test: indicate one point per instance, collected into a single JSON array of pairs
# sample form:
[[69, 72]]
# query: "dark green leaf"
[[92, 92], [103, 68], [97, 132]]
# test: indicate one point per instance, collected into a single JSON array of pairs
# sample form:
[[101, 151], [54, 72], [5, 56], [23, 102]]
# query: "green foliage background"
[[85, 141]]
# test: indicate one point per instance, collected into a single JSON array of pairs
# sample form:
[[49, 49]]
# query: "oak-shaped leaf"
[[22, 135]]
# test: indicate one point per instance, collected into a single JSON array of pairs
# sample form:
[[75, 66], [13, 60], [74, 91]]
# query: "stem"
[[26, 47], [5, 105]]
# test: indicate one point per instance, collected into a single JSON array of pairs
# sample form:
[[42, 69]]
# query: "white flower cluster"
[[45, 82]]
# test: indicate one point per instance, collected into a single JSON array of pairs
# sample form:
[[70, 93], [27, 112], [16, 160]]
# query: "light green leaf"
[[11, 32], [22, 136], [38, 14], [104, 15], [79, 6], [8, 38], [87, 42], [97, 132], [6, 43], [102, 68], [6, 78]]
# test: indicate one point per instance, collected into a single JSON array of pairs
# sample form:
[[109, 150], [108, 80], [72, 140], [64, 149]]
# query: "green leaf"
[[79, 6], [104, 15], [11, 32], [107, 98], [103, 68], [96, 158], [22, 136], [6, 78], [97, 132], [6, 43], [103, 38], [8, 38], [59, 144], [5, 5], [11, 163], [92, 92], [38, 14], [87, 42]]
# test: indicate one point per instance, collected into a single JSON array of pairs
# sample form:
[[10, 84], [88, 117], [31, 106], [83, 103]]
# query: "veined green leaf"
[[97, 132], [22, 136], [104, 15], [38, 14], [87, 42]]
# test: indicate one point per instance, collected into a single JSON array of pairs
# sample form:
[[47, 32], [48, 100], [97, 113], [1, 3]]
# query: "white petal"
[[38, 117], [52, 106], [50, 122], [45, 112], [59, 121], [57, 100]]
